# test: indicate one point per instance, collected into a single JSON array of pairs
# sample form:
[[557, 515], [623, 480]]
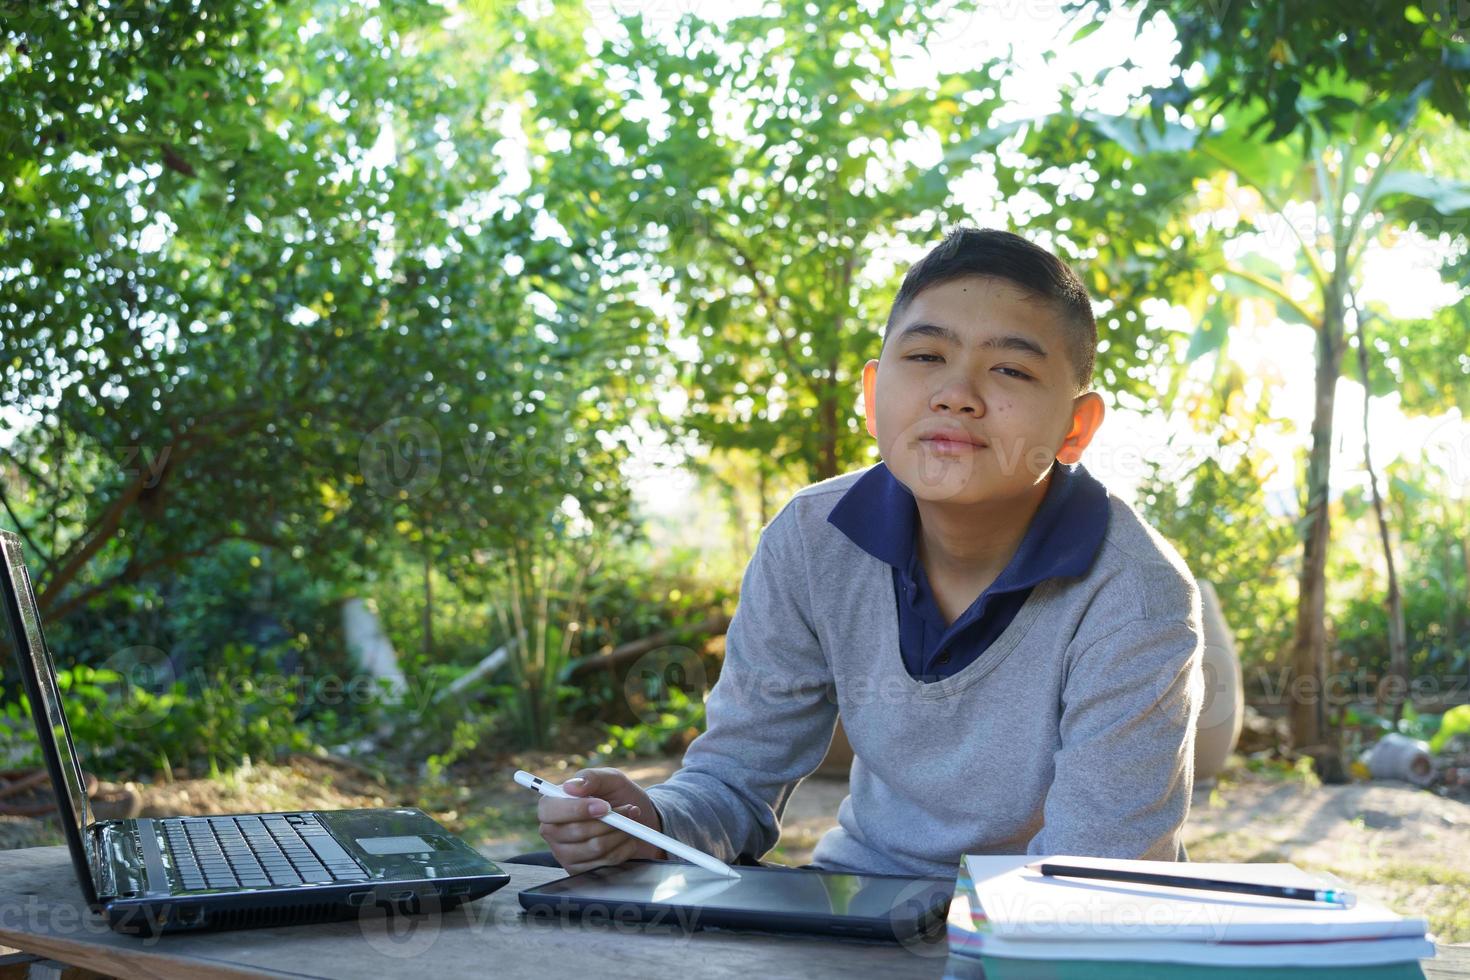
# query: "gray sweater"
[[1073, 733]]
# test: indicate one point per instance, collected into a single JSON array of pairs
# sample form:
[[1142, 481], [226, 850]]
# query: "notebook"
[[1023, 905], [1123, 932]]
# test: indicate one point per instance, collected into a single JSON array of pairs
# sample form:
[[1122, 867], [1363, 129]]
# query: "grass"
[[477, 815], [1442, 896], [1231, 846]]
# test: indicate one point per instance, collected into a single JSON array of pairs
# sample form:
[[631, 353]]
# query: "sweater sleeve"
[[1125, 770], [769, 718]]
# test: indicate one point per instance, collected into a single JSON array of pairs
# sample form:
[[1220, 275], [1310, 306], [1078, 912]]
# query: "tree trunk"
[[1451, 595], [827, 461], [1307, 712], [763, 493], [1398, 644], [1465, 560], [831, 393], [428, 600]]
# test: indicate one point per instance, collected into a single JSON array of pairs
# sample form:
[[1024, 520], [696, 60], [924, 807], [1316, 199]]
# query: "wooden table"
[[41, 912]]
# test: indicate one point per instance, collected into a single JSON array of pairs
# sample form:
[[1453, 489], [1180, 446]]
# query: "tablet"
[[688, 897]]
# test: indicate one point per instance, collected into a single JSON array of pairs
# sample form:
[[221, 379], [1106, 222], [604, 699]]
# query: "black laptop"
[[153, 875]]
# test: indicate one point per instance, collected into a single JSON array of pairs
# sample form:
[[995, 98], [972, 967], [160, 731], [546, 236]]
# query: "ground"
[[1401, 845], [1404, 846]]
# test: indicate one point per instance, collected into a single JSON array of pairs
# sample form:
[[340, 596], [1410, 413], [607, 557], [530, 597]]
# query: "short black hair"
[[999, 254]]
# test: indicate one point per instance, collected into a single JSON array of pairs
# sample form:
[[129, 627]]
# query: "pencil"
[[1334, 896]]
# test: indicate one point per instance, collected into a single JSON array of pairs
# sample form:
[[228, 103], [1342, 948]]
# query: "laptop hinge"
[[153, 865], [102, 876]]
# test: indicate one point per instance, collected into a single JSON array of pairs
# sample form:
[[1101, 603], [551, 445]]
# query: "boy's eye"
[[1009, 371]]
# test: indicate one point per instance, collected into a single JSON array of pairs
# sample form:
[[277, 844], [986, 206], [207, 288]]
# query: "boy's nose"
[[955, 398]]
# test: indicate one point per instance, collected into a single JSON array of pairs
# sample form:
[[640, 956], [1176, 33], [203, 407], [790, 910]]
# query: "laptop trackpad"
[[394, 845], [402, 843]]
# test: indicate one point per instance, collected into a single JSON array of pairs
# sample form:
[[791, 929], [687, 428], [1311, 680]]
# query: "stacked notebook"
[[1007, 921]]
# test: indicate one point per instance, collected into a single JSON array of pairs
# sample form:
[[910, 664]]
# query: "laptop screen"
[[23, 618]]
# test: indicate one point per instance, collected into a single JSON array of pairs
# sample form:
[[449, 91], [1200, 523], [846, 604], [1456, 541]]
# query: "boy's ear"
[[870, 397], [1087, 417]]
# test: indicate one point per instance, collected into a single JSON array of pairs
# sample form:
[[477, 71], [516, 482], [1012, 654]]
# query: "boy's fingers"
[[551, 810], [622, 849], [576, 831], [594, 853], [593, 782], [581, 856], [583, 782]]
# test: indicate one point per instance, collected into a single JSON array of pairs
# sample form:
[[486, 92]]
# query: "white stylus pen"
[[694, 855]]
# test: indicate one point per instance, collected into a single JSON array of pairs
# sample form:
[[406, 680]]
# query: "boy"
[[1014, 652]]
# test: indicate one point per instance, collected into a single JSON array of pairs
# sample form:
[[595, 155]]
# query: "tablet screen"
[[774, 891]]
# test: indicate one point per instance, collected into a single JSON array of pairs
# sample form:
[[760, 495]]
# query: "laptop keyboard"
[[255, 852]]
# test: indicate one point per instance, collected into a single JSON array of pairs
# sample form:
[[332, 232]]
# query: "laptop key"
[[329, 851]]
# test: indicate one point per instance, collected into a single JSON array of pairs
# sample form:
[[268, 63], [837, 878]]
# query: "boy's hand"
[[580, 841]]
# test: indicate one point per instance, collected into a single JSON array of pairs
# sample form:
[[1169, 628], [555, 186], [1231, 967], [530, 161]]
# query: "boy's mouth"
[[952, 440], [950, 447]]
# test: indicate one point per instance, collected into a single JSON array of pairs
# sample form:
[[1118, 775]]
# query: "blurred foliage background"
[[313, 300]]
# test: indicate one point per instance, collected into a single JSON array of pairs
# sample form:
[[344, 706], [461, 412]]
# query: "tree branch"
[[1308, 250], [30, 472], [131, 572], [105, 527], [1382, 170], [1273, 288], [765, 297], [715, 624], [20, 528], [62, 570]]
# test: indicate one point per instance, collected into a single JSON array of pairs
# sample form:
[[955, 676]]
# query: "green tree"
[[755, 168], [1358, 160], [1216, 515], [265, 282]]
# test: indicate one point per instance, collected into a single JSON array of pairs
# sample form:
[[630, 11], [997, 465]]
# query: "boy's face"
[[976, 358]]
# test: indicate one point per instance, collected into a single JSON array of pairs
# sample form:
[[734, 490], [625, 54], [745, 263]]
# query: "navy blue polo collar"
[[879, 514]]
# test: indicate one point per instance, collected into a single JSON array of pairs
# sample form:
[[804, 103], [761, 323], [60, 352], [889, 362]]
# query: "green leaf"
[[1456, 721], [1446, 197], [1087, 30], [1141, 136], [1210, 335]]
